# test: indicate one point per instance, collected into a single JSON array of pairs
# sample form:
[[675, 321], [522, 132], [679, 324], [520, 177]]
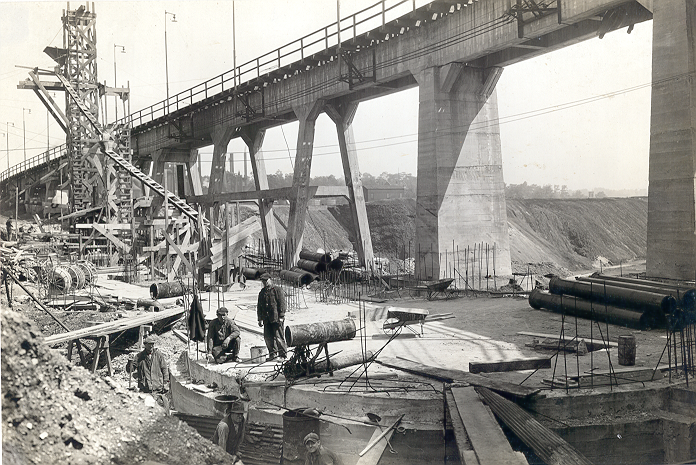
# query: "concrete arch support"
[[253, 138], [342, 115], [672, 191], [461, 194], [307, 116]]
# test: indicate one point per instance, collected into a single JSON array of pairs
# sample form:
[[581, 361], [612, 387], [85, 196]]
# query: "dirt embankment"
[[550, 234]]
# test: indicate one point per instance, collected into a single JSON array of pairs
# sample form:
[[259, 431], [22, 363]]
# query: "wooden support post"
[[226, 246]]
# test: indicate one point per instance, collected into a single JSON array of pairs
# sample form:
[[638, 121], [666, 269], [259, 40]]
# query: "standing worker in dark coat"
[[223, 338], [271, 315]]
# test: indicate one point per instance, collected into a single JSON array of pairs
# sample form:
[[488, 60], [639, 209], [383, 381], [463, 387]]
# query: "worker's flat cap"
[[311, 437], [151, 339], [222, 311], [265, 277]]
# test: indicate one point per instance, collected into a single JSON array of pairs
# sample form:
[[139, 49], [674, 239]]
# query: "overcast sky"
[[578, 117]]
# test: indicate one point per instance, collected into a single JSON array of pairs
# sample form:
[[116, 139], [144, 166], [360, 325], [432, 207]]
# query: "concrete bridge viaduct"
[[454, 52]]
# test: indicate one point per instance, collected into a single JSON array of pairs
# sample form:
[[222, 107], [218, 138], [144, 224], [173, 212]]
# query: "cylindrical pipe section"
[[315, 256], [618, 296], [251, 273], [310, 265], [641, 281], [314, 276], [342, 361], [164, 290], [571, 305], [297, 278], [686, 298], [320, 333]]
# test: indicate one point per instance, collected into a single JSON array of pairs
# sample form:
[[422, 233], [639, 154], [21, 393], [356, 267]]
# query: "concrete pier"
[[461, 193], [672, 190]]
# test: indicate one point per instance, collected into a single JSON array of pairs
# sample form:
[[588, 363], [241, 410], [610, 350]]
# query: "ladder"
[[172, 198], [180, 204]]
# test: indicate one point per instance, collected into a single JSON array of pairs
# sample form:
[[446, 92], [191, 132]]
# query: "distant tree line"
[[236, 182]]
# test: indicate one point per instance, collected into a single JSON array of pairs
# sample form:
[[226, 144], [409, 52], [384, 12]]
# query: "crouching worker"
[[223, 340], [317, 454]]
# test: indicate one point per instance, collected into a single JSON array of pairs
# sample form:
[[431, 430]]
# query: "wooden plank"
[[466, 453], [114, 326], [618, 375], [486, 436], [599, 342], [546, 444], [372, 456], [450, 376], [510, 365]]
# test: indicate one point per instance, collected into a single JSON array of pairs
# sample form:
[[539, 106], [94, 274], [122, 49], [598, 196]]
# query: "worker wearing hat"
[[318, 454], [271, 315], [223, 340], [150, 367]]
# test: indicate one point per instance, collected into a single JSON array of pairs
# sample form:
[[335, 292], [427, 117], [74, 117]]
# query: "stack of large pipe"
[[618, 305], [684, 295], [311, 266]]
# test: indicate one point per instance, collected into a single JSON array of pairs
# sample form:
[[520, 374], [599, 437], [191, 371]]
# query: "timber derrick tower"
[[95, 180], [80, 70]]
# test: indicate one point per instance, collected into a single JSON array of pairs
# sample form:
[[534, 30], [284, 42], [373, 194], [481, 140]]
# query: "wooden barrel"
[[627, 350]]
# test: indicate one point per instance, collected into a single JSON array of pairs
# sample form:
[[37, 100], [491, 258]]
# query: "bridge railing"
[[320, 40], [52, 154]]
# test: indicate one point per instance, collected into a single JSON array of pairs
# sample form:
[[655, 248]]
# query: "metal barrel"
[[314, 276], [575, 306], [301, 278], [685, 296], [315, 256], [251, 273], [613, 295], [319, 333], [311, 265], [164, 290], [336, 264]]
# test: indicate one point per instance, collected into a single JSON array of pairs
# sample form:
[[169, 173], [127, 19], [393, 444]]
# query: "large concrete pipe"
[[613, 295], [301, 278], [574, 306], [319, 333], [164, 290], [625, 279], [251, 273], [336, 264], [315, 277], [686, 298], [311, 265], [315, 256]]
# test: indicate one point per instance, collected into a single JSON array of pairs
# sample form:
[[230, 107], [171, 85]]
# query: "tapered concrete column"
[[342, 115], [307, 116], [461, 193], [253, 138], [194, 173], [672, 190], [221, 138]]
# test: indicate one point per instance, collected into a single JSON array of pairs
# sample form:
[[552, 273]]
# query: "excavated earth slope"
[[549, 235]]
